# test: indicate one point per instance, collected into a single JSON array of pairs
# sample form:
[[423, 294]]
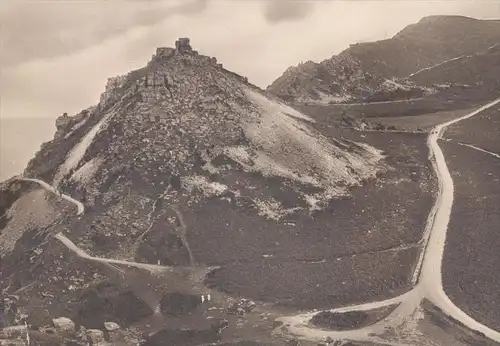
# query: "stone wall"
[[164, 52]]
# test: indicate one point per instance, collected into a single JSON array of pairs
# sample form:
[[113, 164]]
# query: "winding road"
[[428, 272], [55, 191], [427, 275], [79, 252]]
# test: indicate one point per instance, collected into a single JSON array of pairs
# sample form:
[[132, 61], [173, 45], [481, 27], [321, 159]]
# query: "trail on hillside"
[[451, 60], [80, 253], [182, 232], [479, 149], [52, 189]]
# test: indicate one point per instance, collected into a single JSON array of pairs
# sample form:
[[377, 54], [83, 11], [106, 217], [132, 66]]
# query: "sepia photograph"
[[250, 172]]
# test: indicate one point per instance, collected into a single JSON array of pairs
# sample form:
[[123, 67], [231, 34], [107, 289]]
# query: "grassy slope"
[[471, 255], [482, 68], [430, 41]]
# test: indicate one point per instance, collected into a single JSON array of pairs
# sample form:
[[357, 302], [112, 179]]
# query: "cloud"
[[277, 11], [254, 47], [152, 15], [52, 29]]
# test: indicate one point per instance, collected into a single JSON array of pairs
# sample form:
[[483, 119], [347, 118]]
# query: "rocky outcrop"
[[164, 52], [65, 125], [63, 121], [331, 81], [111, 93]]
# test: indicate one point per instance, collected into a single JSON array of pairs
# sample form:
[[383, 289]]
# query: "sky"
[[55, 56]]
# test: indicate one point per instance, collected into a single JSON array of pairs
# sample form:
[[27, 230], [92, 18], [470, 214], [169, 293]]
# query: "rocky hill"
[[367, 68], [187, 117], [175, 155]]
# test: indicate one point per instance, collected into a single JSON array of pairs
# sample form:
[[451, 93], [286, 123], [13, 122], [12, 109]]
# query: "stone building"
[[183, 46]]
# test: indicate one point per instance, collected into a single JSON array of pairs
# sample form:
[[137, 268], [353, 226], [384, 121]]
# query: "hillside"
[[475, 70], [362, 69], [177, 151], [183, 115]]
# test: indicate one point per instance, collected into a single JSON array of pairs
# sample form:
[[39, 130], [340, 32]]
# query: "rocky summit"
[[182, 165], [183, 125]]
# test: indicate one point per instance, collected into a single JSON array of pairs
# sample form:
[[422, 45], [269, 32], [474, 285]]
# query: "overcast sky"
[[55, 56]]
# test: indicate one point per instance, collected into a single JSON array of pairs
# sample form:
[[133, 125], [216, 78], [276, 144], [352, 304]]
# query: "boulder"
[[96, 337], [111, 326], [64, 324]]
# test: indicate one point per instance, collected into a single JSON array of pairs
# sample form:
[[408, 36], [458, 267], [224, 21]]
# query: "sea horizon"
[[20, 139]]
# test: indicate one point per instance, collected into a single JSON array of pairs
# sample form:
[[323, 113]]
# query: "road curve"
[[79, 252], [430, 278], [430, 283], [51, 189]]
